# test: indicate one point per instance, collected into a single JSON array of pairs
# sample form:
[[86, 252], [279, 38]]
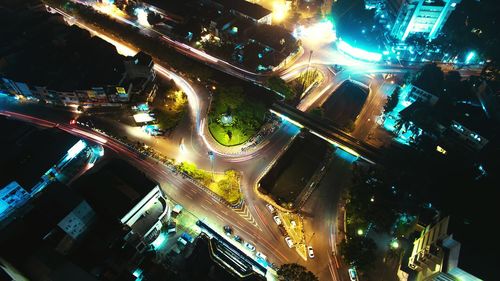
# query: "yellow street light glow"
[[142, 17], [318, 33], [280, 11], [360, 232]]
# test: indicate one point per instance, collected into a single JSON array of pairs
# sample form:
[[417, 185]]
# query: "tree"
[[318, 111], [358, 251], [295, 272], [229, 98], [392, 100], [430, 78], [279, 85]]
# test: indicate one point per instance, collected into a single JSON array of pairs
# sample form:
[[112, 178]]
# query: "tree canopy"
[[279, 85], [358, 251], [295, 272]]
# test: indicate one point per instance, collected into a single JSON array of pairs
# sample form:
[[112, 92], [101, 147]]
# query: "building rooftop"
[[28, 152], [62, 57], [36, 220], [114, 188], [474, 118], [250, 9]]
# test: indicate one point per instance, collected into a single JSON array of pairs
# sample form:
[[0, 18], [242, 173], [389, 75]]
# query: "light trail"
[[191, 94], [92, 136]]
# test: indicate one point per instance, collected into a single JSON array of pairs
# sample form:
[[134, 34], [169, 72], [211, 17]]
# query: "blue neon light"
[[357, 52], [76, 149], [342, 154], [470, 56], [159, 241]]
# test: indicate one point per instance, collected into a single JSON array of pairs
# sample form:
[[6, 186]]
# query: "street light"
[[211, 156], [360, 232], [394, 244]]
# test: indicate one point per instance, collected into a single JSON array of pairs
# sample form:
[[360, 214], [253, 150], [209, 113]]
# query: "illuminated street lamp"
[[211, 156], [394, 244], [360, 232]]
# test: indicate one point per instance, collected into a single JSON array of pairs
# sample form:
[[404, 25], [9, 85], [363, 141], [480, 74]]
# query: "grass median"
[[225, 185]]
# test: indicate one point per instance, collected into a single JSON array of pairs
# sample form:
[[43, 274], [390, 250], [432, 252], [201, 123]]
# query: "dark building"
[[66, 65], [32, 158], [245, 9], [96, 229], [128, 198]]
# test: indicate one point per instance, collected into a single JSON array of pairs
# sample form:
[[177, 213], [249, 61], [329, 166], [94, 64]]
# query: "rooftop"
[[115, 188], [63, 57], [250, 9], [35, 222], [28, 152]]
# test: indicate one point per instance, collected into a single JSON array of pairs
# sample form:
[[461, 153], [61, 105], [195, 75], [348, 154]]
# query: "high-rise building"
[[422, 17], [435, 255]]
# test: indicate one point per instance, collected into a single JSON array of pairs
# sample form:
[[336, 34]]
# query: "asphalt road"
[[319, 212]]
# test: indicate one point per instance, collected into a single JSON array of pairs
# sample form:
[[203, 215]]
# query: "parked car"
[[310, 252], [250, 246], [171, 227], [228, 230], [270, 208], [289, 242], [277, 220], [261, 256], [353, 275], [238, 239]]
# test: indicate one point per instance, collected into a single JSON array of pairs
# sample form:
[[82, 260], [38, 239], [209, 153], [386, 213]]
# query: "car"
[[171, 227], [277, 220], [250, 246], [289, 242], [270, 208], [353, 275], [228, 230], [310, 252], [238, 239], [261, 256]]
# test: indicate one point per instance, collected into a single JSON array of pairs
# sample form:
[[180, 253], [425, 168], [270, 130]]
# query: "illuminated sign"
[[121, 91], [441, 150]]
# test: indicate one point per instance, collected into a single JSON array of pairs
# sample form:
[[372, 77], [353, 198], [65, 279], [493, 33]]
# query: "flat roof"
[[114, 188], [28, 152], [40, 49], [33, 223], [250, 9], [143, 117]]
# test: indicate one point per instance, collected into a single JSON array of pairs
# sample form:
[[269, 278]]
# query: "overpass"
[[327, 131]]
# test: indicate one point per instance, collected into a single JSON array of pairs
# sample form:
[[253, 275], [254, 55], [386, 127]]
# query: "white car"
[[289, 242], [310, 252], [277, 220], [250, 246], [270, 208], [353, 275], [261, 256]]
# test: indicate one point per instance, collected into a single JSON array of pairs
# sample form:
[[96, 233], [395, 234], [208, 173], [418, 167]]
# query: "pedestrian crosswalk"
[[244, 212]]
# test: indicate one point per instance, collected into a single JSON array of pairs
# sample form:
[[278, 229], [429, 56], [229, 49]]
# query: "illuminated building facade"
[[129, 199], [414, 93], [435, 255], [422, 17]]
